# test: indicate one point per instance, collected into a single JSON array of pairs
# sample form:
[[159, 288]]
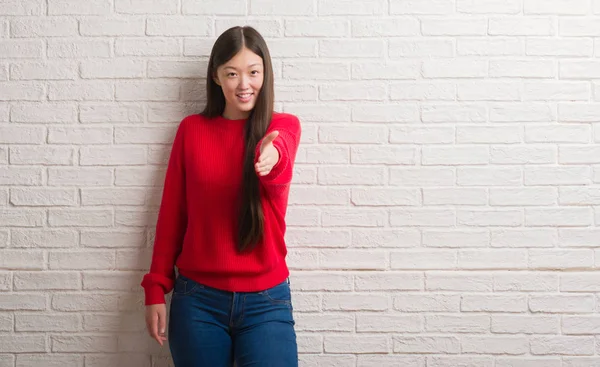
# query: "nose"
[[244, 82]]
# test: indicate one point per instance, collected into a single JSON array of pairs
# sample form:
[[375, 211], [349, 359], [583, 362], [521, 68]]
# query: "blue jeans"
[[209, 327]]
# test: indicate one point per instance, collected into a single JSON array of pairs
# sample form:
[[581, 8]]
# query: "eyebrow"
[[231, 67]]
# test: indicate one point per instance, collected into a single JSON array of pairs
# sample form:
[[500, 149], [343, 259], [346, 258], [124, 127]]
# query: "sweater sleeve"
[[170, 227], [286, 144]]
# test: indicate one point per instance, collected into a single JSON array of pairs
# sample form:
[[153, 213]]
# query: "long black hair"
[[227, 45]]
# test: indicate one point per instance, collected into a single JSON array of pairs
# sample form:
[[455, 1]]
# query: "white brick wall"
[[446, 198]]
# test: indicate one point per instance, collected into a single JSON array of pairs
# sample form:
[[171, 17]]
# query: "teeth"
[[244, 95]]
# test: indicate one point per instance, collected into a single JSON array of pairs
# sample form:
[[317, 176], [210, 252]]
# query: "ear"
[[216, 79]]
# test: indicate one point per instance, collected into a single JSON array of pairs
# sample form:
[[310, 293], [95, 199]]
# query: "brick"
[[20, 7], [80, 217], [562, 345], [558, 217], [453, 26], [351, 49], [266, 27], [577, 27], [421, 135], [579, 282], [562, 7], [112, 69], [559, 47], [122, 281], [22, 343], [400, 112], [391, 27], [577, 237], [134, 260], [527, 362], [335, 175], [523, 196], [489, 6], [368, 238], [422, 216], [386, 71], [489, 91], [43, 197], [561, 303], [521, 26], [319, 196], [464, 361], [385, 197], [427, 303], [579, 196], [139, 177], [459, 281], [22, 302], [114, 26], [525, 324], [353, 259], [423, 259], [352, 134], [112, 197], [71, 302], [355, 302], [455, 155], [457, 324], [80, 176], [145, 7], [78, 49], [47, 281], [122, 155], [265, 7], [111, 112], [80, 135], [494, 344], [560, 259], [49, 360], [53, 112], [316, 28], [21, 49], [21, 91], [402, 48], [579, 69], [455, 238], [353, 91], [378, 281], [493, 303], [25, 238], [556, 91], [50, 70], [557, 176], [83, 344], [485, 46], [440, 112], [580, 325], [113, 239], [147, 46], [176, 69], [41, 155], [426, 344], [138, 218], [356, 344], [421, 177], [44, 27], [22, 135], [178, 26], [522, 69], [22, 217], [318, 70], [458, 196], [83, 260], [147, 91], [307, 237], [134, 322], [530, 112], [454, 68], [422, 7], [295, 93]]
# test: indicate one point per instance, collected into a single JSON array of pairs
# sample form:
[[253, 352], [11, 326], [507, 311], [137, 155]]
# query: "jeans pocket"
[[184, 286], [279, 294]]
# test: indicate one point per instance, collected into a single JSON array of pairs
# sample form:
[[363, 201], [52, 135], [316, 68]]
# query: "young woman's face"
[[241, 80]]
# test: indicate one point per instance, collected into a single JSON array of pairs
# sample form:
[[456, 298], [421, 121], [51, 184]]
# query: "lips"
[[244, 97]]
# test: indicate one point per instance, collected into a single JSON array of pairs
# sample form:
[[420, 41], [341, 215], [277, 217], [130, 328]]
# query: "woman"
[[222, 220]]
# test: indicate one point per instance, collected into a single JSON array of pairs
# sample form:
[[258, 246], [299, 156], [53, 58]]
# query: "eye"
[[231, 74], [255, 72]]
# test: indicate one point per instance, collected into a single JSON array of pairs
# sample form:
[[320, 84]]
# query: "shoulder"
[[286, 121]]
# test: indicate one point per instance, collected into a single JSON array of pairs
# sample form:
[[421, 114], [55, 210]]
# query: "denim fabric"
[[209, 327]]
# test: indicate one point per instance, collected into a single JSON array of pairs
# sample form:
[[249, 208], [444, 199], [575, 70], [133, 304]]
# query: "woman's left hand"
[[269, 156]]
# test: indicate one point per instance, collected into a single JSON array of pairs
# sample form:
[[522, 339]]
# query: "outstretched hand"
[[269, 156]]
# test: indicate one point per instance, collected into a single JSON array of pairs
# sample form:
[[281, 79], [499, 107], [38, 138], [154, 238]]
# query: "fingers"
[[268, 139], [264, 165], [162, 323], [155, 323]]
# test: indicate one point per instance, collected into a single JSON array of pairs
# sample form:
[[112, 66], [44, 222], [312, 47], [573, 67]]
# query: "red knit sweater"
[[197, 222]]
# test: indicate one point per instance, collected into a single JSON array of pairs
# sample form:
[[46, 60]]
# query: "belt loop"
[[288, 280]]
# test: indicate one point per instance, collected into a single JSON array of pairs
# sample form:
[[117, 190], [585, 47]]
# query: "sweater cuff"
[[154, 295]]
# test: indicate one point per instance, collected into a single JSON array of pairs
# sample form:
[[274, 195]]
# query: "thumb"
[[269, 138], [162, 322]]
